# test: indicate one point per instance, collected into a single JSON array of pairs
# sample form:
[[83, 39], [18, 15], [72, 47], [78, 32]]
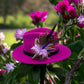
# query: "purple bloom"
[[62, 6], [38, 16], [19, 34], [10, 67], [80, 21], [41, 52], [2, 36], [72, 11], [36, 48]]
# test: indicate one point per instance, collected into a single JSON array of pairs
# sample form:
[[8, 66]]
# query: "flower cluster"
[[61, 7], [38, 16], [64, 6], [68, 11]]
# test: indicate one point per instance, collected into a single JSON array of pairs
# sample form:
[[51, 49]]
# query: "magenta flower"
[[2, 71], [72, 11], [50, 80], [77, 35], [80, 21], [75, 1], [70, 1], [19, 34], [38, 16], [66, 16], [62, 6], [59, 33]]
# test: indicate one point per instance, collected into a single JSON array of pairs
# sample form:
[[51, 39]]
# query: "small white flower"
[[36, 48], [5, 45], [43, 53], [10, 67], [81, 19], [5, 48], [2, 36]]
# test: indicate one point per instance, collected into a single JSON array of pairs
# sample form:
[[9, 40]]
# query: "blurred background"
[[15, 13]]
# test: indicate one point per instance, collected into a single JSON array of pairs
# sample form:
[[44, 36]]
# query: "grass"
[[9, 38]]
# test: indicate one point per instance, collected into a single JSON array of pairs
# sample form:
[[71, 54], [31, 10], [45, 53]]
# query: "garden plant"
[[47, 55]]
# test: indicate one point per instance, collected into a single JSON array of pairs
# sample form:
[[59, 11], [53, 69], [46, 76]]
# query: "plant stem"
[[71, 73], [42, 73]]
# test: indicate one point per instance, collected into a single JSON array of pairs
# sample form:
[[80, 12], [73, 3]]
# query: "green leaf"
[[34, 75], [76, 46], [58, 71], [15, 45], [66, 13], [74, 55], [54, 1], [81, 33]]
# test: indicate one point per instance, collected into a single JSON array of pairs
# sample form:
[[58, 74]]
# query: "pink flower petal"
[[38, 16], [62, 6], [72, 11]]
